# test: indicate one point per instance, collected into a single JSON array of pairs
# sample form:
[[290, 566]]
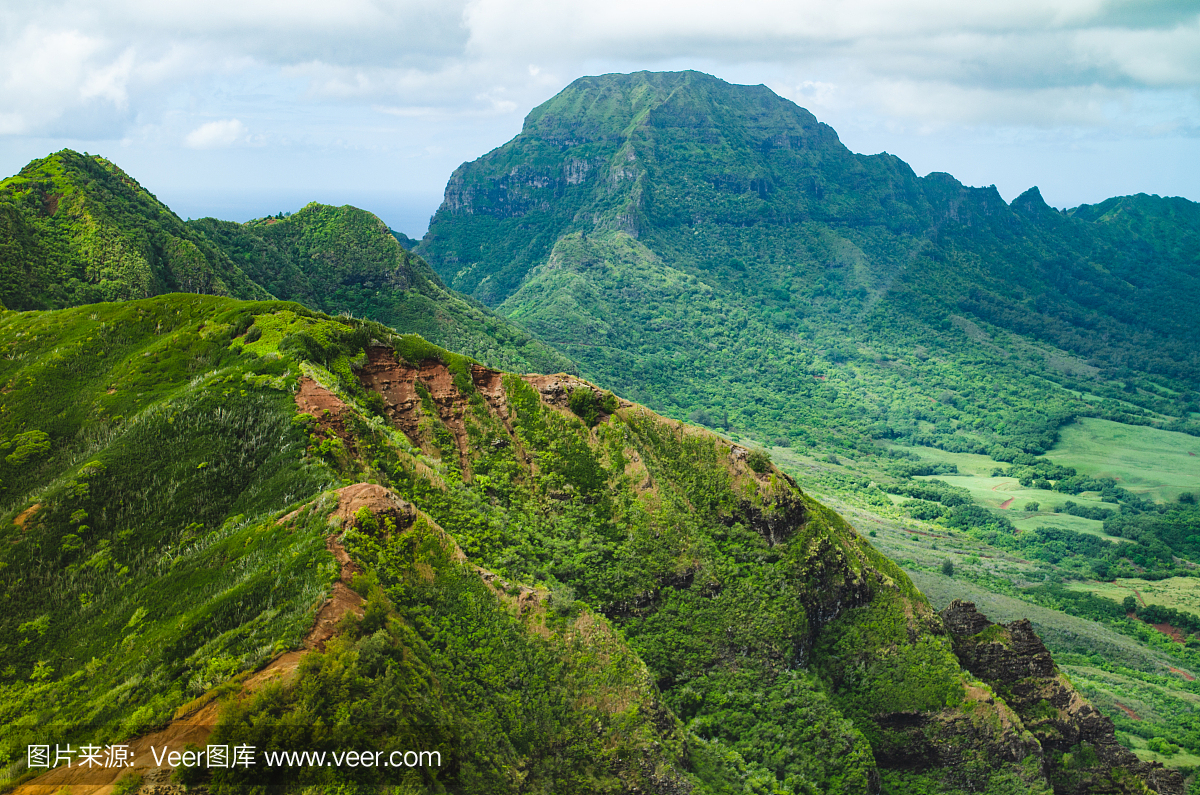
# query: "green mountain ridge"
[[78, 230], [643, 606], [343, 259], [696, 623]]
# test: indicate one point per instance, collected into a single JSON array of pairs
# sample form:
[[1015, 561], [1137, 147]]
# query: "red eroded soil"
[[1174, 632], [1126, 710], [1004, 505], [1184, 674], [326, 407], [24, 515], [396, 383]]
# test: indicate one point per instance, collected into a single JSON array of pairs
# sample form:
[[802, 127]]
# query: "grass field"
[[1149, 461], [995, 493], [1181, 593], [967, 463], [1182, 759]]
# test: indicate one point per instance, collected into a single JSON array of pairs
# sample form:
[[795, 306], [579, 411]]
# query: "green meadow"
[[1008, 495], [1156, 463], [1179, 593]]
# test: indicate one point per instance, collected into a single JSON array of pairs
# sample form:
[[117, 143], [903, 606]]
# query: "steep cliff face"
[[686, 241], [1079, 744]]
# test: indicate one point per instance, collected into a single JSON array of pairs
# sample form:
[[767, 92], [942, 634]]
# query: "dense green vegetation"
[[1045, 574], [432, 666], [75, 229], [146, 459], [909, 346]]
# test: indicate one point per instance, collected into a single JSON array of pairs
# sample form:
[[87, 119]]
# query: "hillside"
[[76, 229], [555, 588], [343, 259], [714, 251]]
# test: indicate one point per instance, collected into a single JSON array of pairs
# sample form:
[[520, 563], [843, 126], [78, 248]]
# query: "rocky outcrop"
[[1079, 744]]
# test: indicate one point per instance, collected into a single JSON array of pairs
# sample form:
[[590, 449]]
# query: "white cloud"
[[389, 74], [216, 134], [462, 54]]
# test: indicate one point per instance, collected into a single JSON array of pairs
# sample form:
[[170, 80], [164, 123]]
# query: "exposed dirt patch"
[[326, 407], [556, 390], [25, 515], [490, 384], [385, 505], [1126, 710], [50, 203], [341, 601], [373, 497], [1182, 673], [396, 382], [1004, 505], [1175, 633]]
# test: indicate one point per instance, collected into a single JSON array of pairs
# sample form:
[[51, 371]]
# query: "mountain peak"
[[1031, 202]]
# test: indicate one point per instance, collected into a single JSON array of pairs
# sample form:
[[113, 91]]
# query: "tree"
[[948, 568], [1130, 604]]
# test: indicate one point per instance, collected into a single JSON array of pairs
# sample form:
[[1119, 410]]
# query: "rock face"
[[1079, 744]]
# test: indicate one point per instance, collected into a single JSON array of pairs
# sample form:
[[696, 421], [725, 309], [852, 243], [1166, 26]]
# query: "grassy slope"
[[148, 567], [342, 259], [145, 568], [1157, 463]]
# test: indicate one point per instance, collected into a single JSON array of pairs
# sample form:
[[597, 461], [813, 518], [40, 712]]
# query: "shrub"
[[1033, 507], [948, 568], [759, 461], [588, 405]]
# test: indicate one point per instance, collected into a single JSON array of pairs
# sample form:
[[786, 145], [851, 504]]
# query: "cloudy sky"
[[239, 108]]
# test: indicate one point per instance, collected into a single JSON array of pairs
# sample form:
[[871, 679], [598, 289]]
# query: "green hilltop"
[[78, 230]]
